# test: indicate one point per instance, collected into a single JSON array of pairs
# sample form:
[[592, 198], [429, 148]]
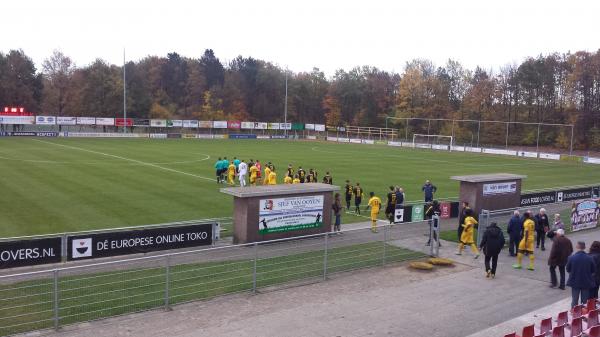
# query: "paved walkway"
[[392, 301]]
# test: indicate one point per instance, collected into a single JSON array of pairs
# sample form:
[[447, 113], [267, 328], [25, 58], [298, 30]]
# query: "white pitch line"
[[127, 159]]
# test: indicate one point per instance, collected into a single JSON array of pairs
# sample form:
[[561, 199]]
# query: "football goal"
[[436, 142]]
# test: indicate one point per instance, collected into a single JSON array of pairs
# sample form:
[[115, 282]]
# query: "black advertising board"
[[141, 122], [402, 214], [138, 241], [31, 134], [574, 194], [532, 199], [29, 252]]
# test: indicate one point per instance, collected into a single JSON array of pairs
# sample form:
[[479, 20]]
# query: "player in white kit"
[[243, 170]]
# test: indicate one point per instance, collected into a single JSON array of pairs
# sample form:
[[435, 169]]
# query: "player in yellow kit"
[[375, 205], [296, 180], [272, 176], [231, 173], [287, 180], [466, 238], [267, 173], [253, 175], [526, 244]]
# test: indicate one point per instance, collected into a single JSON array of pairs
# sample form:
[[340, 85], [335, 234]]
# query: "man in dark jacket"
[[431, 209], [562, 248], [541, 228], [581, 270], [514, 229], [428, 190], [491, 244]]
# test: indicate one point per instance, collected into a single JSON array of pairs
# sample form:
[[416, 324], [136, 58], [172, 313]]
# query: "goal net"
[[436, 142]]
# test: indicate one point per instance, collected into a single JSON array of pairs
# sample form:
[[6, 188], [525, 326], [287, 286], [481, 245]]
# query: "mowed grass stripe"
[[83, 196]]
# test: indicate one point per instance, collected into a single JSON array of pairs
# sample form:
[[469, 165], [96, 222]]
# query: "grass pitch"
[[51, 185]]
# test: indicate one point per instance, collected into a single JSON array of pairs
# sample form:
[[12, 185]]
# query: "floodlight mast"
[[124, 96], [285, 130]]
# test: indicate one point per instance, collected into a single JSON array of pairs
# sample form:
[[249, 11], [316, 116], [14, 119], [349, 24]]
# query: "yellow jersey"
[[528, 236], [296, 181], [231, 169], [267, 172], [253, 171], [287, 180], [272, 178], [375, 204]]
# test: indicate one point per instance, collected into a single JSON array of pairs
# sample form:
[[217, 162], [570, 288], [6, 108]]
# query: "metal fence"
[[502, 217], [53, 298]]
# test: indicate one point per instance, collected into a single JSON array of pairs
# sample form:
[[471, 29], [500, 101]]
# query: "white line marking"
[[127, 159]]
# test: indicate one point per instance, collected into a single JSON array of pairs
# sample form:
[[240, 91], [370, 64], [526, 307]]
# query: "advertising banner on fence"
[[175, 123], [273, 126], [205, 124], [66, 120], [123, 121], [574, 194], [141, 122], [234, 125], [500, 188], [399, 214], [285, 126], [445, 210], [417, 213], [584, 215], [289, 214], [241, 136], [86, 120], [45, 120], [260, 126], [190, 123], [247, 125], [532, 199], [29, 252], [309, 126], [17, 120], [105, 121], [158, 123], [220, 124], [138, 241], [31, 134], [319, 127]]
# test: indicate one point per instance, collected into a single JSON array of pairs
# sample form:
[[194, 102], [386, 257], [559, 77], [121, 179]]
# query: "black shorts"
[[357, 201], [218, 172], [348, 197]]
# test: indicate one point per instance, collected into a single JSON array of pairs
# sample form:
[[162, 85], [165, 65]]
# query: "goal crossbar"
[[437, 142]]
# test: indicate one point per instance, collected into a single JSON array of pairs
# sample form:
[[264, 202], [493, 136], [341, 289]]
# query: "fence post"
[[56, 299], [325, 255], [254, 268], [167, 281], [385, 230]]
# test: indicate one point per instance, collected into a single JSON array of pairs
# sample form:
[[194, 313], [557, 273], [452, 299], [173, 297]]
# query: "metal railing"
[[54, 298]]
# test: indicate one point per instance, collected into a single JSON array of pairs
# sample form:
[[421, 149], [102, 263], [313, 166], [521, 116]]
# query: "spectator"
[[337, 208], [562, 248], [558, 224], [581, 270], [514, 230], [428, 190], [595, 254], [491, 244], [542, 226], [461, 218], [400, 197]]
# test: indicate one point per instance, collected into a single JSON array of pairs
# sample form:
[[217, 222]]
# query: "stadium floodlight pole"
[[285, 104], [124, 96], [537, 141]]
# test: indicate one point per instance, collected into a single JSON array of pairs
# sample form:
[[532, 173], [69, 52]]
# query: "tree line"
[[556, 88]]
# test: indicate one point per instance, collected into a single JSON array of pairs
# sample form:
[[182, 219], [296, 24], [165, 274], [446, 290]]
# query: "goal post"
[[435, 142]]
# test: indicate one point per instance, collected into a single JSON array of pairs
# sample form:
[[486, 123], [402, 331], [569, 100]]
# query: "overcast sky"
[[303, 34]]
